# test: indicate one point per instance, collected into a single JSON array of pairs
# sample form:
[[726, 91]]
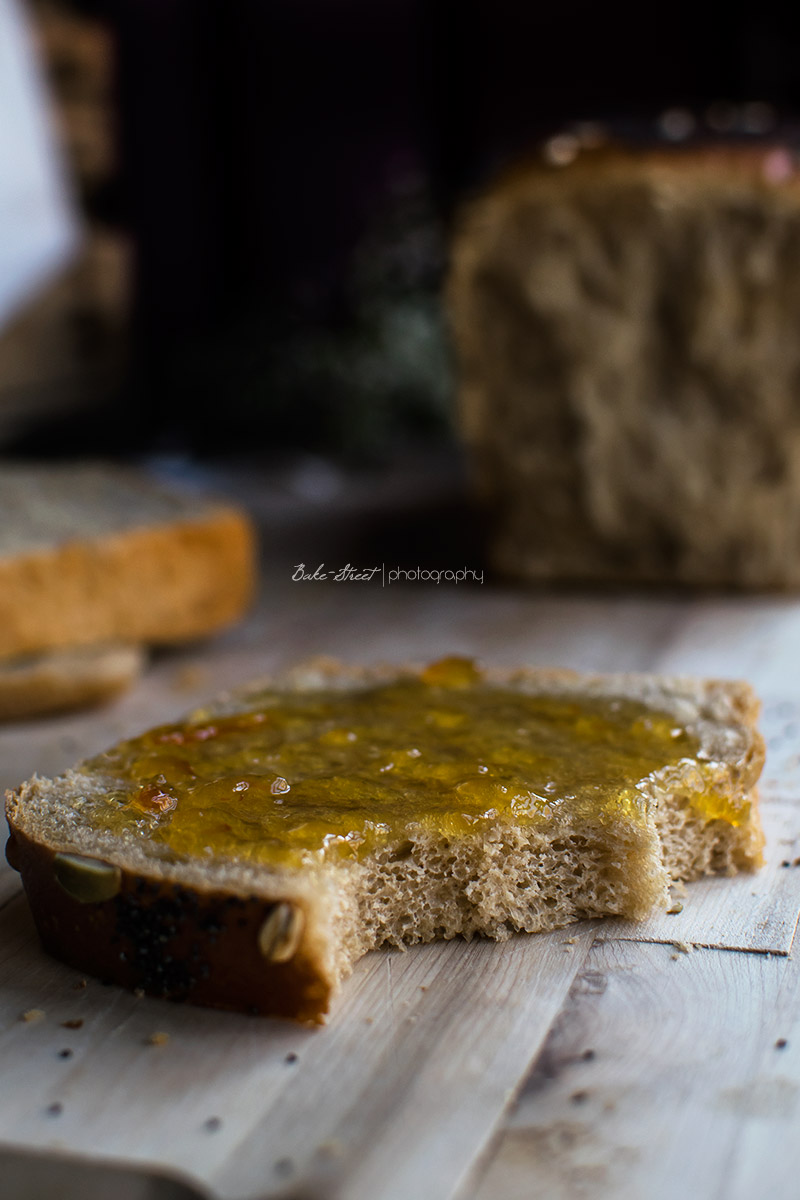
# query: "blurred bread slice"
[[95, 553], [65, 679]]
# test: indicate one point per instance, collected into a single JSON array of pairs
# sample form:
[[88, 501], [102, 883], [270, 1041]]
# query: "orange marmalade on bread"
[[313, 775]]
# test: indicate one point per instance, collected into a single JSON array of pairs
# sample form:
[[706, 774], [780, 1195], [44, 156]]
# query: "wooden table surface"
[[598, 1061]]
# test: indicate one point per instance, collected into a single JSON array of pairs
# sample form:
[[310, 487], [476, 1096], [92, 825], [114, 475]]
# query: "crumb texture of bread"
[[511, 881], [625, 329], [60, 680], [95, 554], [236, 933]]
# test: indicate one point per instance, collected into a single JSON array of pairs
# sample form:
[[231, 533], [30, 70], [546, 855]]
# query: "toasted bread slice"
[[97, 553], [247, 857], [59, 680]]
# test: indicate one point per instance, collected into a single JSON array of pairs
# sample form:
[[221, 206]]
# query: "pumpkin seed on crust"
[[279, 936], [87, 880]]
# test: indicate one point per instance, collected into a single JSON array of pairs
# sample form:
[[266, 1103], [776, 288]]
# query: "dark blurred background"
[[266, 188]]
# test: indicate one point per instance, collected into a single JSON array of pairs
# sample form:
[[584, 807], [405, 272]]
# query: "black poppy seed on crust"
[[144, 887], [211, 923], [150, 927], [153, 921], [187, 899]]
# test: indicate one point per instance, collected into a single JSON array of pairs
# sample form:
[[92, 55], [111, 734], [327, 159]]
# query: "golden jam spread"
[[323, 774]]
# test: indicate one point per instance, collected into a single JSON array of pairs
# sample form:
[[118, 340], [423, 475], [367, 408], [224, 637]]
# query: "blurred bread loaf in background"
[[626, 326], [97, 560]]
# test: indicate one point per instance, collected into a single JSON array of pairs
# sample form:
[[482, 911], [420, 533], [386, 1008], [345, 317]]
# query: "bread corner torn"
[[247, 857]]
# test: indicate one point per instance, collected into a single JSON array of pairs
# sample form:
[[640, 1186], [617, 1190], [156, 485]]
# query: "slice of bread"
[[188, 864], [94, 553], [626, 334], [59, 680]]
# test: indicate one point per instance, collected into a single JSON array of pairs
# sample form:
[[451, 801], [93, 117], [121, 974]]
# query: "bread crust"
[[160, 583], [188, 933], [183, 943]]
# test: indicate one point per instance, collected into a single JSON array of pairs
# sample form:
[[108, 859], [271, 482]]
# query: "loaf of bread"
[[91, 554], [626, 333], [247, 857]]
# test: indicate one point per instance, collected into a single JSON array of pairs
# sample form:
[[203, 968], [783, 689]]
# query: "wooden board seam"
[[652, 941]]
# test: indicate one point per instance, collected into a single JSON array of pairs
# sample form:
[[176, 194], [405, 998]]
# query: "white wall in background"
[[38, 225]]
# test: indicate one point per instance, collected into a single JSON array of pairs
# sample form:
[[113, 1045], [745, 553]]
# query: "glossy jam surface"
[[336, 773]]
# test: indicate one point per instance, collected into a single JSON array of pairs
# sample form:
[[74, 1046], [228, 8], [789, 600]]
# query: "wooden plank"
[[394, 1098], [140, 1102], [402, 1108], [765, 1160], [640, 1088], [404, 1103], [743, 637]]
